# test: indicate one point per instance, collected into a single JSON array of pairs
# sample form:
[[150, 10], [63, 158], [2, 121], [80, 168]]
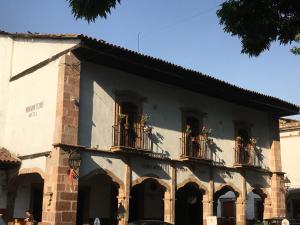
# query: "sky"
[[186, 33]]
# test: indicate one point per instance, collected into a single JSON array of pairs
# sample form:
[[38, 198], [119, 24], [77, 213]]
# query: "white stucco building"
[[290, 146], [156, 141]]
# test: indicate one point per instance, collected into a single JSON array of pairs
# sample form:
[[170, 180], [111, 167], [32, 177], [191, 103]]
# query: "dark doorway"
[[147, 201], [37, 201], [188, 205], [97, 198], [224, 205]]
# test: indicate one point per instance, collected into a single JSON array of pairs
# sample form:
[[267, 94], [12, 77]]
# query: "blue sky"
[[182, 32]]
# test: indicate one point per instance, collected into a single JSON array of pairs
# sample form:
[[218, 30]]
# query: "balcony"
[[247, 155], [195, 149], [135, 139]]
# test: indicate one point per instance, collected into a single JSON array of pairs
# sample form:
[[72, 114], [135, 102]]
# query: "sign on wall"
[[32, 110]]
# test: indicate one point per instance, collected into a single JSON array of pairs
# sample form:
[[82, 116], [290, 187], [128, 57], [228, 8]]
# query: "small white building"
[[154, 140], [290, 145]]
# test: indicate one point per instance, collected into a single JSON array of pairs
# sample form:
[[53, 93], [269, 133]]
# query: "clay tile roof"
[[8, 158], [164, 71]]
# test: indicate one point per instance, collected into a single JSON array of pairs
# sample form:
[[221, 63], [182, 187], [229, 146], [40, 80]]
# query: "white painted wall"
[[290, 157], [29, 52], [29, 132], [163, 104], [6, 48]]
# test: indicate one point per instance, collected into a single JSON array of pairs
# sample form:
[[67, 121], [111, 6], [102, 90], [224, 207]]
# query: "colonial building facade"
[[290, 146], [154, 140]]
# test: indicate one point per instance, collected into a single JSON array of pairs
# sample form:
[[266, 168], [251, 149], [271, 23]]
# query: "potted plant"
[[144, 119], [188, 130], [253, 142], [121, 117], [239, 140], [206, 132]]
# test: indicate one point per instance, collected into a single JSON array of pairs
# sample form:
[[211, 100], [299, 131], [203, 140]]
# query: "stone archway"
[[225, 207], [98, 197], [188, 205], [26, 193], [258, 205], [147, 199]]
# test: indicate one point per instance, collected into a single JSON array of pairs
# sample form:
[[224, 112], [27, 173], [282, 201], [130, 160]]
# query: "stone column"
[[208, 199], [169, 198], [240, 211], [241, 202], [127, 189], [277, 195], [60, 197], [267, 208], [167, 207], [277, 190]]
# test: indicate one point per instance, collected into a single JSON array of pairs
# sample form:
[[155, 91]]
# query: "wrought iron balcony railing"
[[136, 137], [247, 155], [195, 148]]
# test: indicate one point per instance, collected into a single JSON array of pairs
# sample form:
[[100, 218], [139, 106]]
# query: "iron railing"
[[246, 154], [195, 147], [132, 137]]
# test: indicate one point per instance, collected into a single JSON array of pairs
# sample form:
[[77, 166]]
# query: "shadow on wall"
[[161, 118]]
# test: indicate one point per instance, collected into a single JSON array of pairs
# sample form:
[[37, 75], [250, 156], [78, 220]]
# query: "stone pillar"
[[60, 197], [277, 195], [240, 211], [208, 199], [167, 207], [127, 189], [241, 202], [169, 198], [267, 208], [277, 190], [121, 208]]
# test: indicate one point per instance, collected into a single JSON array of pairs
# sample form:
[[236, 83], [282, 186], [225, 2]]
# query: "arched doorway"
[[147, 201], [293, 203], [255, 206], [225, 205], [27, 191], [188, 205], [97, 198]]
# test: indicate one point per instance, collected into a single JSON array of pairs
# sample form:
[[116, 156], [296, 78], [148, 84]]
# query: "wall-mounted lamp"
[[74, 160], [286, 183]]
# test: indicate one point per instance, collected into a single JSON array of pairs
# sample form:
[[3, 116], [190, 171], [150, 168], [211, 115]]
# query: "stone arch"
[[231, 187], [114, 178], [32, 170], [258, 189], [195, 181], [265, 196], [158, 180]]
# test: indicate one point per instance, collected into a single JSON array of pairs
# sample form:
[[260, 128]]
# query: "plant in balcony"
[[188, 130], [253, 142], [206, 132], [144, 119], [239, 140], [121, 117]]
